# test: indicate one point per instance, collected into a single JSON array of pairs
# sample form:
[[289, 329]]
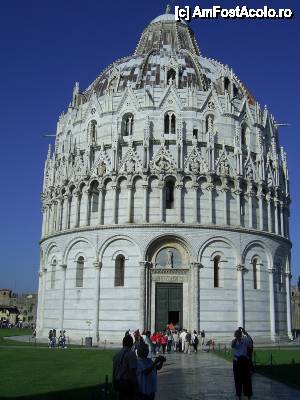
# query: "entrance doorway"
[[168, 305]]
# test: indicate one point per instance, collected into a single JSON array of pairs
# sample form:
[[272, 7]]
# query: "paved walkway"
[[204, 376]]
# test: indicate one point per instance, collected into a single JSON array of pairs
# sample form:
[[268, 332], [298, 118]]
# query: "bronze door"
[[168, 305]]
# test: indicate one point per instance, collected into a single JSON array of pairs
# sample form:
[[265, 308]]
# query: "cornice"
[[177, 226]]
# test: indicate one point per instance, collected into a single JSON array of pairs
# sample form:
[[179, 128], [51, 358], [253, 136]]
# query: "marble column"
[[129, 203], [77, 209], [268, 198], [288, 277], [44, 210], [100, 205], [240, 294], [114, 204], [53, 227], [62, 296], [195, 268], [276, 216], [145, 201], [250, 209], [224, 190], [161, 188], [238, 206], [41, 302], [179, 202], [195, 188], [87, 207], [210, 204], [272, 303], [60, 214], [98, 267], [67, 211], [261, 212], [142, 313], [282, 230]]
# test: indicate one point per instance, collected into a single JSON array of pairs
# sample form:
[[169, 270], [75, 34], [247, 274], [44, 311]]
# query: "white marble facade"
[[165, 170]]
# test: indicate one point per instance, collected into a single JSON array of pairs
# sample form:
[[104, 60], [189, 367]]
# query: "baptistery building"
[[165, 200]]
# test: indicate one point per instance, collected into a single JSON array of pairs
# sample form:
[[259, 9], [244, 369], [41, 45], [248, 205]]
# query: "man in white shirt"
[[182, 337]]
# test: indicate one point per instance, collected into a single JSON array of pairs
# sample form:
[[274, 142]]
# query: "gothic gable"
[[195, 162], [102, 164], [162, 162], [223, 165], [131, 162]]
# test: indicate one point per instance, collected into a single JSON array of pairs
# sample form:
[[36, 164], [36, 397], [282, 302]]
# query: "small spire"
[[168, 9]]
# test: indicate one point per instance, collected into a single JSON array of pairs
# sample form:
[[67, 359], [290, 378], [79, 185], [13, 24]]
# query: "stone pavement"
[[204, 376]]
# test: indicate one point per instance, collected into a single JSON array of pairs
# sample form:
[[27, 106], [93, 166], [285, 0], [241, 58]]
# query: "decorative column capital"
[[63, 266], [288, 275], [196, 264], [146, 264], [271, 270], [44, 270], [241, 268], [97, 264]]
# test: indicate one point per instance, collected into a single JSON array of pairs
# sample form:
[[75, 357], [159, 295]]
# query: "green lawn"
[[284, 365], [14, 332], [46, 374], [5, 332]]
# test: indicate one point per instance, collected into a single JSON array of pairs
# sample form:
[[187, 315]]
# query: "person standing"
[[147, 373], [164, 342], [188, 338], [182, 338], [241, 364], [202, 334], [195, 341], [124, 371]]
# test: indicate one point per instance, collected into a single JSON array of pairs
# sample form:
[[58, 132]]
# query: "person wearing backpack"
[[124, 371]]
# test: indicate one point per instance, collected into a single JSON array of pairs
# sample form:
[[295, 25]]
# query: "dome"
[[164, 44], [166, 18]]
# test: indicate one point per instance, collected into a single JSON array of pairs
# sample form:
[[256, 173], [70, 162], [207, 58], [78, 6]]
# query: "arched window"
[[244, 135], [209, 124], [170, 123], [217, 271], [171, 76], [119, 270], [53, 273], [79, 271], [112, 86], [127, 124], [254, 268], [93, 132], [169, 194], [226, 83]]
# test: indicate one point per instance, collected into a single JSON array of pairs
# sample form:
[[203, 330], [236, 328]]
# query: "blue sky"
[[45, 46]]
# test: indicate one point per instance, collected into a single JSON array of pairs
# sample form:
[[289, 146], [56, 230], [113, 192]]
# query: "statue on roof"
[[168, 9]]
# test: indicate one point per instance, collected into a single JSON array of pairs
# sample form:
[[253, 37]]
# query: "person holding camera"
[[241, 363], [147, 373]]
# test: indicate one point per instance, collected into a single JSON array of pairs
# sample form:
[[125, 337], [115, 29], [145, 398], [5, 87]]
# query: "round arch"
[[163, 239], [218, 239], [72, 243], [260, 244], [113, 239]]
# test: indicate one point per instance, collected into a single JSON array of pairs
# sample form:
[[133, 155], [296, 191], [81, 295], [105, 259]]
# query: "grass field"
[[280, 364], [5, 332], [29, 372], [42, 373]]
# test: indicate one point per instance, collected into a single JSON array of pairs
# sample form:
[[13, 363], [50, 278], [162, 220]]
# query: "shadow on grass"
[[98, 392], [285, 373]]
